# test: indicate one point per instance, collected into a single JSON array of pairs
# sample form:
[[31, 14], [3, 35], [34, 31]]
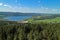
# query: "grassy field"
[[38, 20]]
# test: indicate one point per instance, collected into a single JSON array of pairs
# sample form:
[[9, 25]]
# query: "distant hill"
[[18, 14], [24, 14]]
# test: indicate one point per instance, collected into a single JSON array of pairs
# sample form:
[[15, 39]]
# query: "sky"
[[30, 6]]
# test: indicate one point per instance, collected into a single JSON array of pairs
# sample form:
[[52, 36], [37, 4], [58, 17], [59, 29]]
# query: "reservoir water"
[[17, 18]]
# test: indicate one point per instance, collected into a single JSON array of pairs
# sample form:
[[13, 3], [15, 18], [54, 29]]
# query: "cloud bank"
[[10, 8]]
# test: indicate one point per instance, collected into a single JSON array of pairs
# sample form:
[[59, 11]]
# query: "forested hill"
[[24, 14], [18, 14], [20, 31]]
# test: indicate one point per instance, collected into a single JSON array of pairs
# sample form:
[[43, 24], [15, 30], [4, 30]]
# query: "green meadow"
[[47, 20]]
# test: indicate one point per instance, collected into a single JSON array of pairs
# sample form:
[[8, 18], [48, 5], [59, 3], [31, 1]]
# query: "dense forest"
[[11, 30]]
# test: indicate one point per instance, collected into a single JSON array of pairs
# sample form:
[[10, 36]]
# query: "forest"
[[11, 30]]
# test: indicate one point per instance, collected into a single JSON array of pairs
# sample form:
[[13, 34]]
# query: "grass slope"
[[47, 20]]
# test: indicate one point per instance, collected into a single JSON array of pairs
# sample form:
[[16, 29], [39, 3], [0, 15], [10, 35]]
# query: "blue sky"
[[33, 6]]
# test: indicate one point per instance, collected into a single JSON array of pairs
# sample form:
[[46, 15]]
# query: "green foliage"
[[44, 19], [29, 31]]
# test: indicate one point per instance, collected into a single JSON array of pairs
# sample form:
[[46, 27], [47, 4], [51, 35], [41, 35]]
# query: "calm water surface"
[[16, 18]]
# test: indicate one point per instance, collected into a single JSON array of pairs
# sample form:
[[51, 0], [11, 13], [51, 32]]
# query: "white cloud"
[[1, 4], [27, 9], [32, 10], [35, 10], [7, 5], [54, 10]]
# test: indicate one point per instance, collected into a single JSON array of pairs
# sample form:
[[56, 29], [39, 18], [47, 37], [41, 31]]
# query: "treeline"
[[44, 17], [28, 31]]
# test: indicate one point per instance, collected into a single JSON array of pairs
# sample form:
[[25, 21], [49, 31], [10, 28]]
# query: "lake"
[[17, 18]]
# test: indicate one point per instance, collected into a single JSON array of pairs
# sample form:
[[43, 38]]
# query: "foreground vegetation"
[[29, 31]]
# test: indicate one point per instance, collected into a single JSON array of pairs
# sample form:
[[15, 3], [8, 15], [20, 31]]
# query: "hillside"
[[11, 30], [19, 14], [44, 19]]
